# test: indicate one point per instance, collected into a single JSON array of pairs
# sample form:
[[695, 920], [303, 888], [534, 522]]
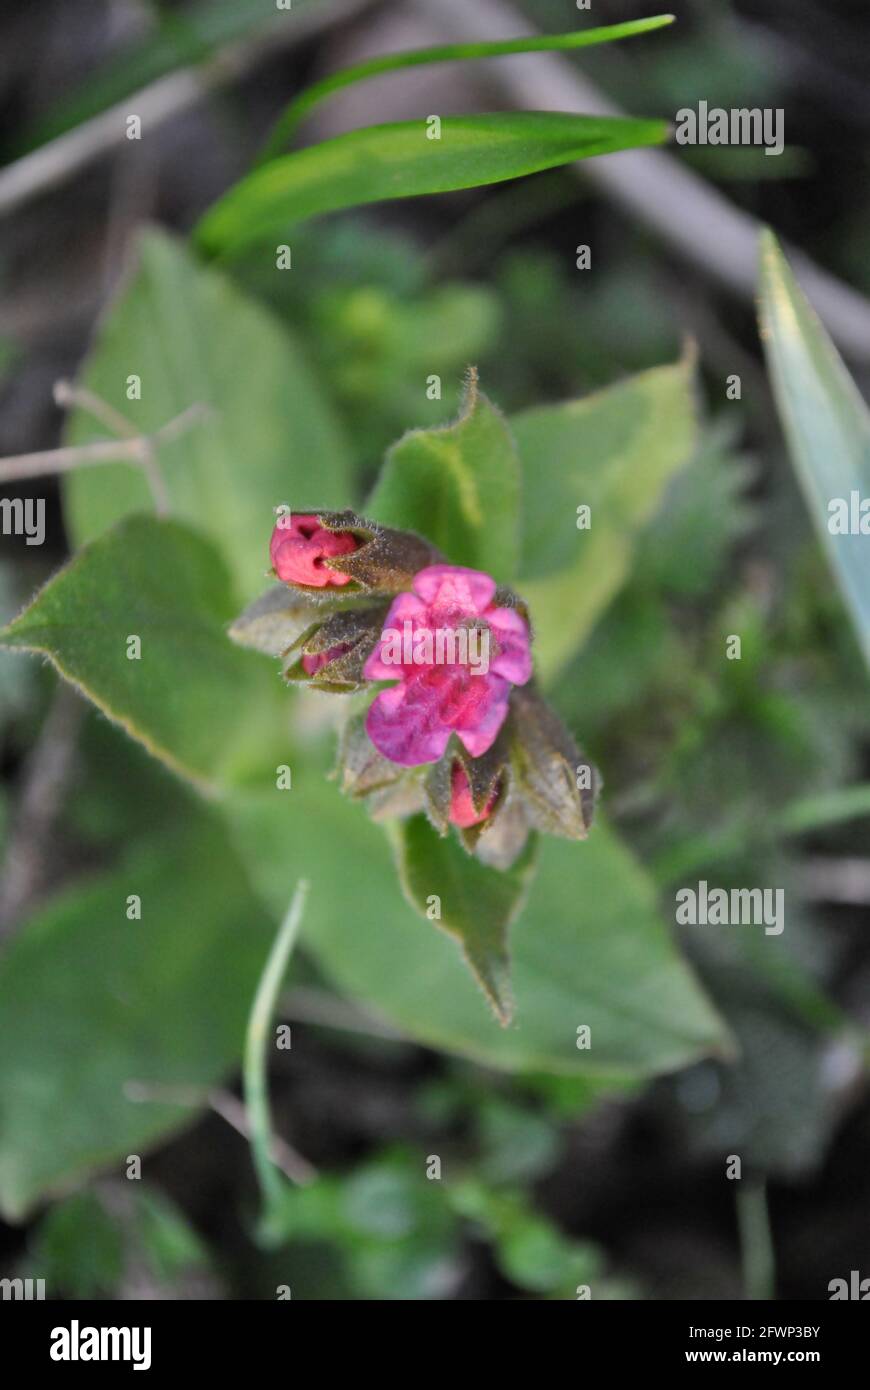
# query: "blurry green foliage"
[[86, 1245], [102, 1013], [699, 755], [400, 1234]]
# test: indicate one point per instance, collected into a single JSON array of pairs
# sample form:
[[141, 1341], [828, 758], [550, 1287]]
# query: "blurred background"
[[564, 1182]]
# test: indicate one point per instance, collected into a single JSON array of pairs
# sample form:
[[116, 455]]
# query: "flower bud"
[[312, 664], [532, 778], [323, 550], [557, 784], [300, 546], [463, 811], [463, 791], [330, 655], [387, 789], [461, 731]]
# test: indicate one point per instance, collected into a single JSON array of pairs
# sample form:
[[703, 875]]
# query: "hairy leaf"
[[459, 486]]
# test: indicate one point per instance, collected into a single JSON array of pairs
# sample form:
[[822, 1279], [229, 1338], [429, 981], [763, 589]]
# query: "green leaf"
[[299, 109], [826, 422], [530, 1250], [476, 904], [274, 621], [94, 1007], [399, 161], [392, 1233], [589, 948], [168, 1242], [459, 486], [516, 1144], [614, 452], [535, 1255], [703, 514], [79, 1248], [82, 1245], [191, 336], [192, 698]]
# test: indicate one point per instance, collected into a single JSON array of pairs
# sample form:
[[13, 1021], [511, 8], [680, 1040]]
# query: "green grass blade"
[[827, 426], [294, 114], [398, 161], [272, 1184]]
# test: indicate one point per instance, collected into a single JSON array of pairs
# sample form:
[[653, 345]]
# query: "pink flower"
[[299, 546], [455, 655], [462, 812]]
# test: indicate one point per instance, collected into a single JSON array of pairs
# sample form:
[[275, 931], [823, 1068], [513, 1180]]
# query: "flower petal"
[[514, 659], [450, 588], [479, 733], [298, 548], [405, 727], [382, 665]]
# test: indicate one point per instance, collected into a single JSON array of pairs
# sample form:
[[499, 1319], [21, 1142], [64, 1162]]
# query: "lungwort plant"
[[443, 605], [459, 731]]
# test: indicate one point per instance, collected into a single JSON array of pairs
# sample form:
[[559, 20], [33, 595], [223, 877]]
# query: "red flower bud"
[[462, 812], [313, 663], [299, 546]]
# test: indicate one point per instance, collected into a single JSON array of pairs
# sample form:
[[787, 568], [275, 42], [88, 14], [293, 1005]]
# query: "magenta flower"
[[299, 546], [455, 655]]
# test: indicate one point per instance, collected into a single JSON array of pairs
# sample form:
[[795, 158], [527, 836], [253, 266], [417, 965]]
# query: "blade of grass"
[[830, 808], [272, 1183], [826, 423], [703, 851], [399, 161], [294, 114]]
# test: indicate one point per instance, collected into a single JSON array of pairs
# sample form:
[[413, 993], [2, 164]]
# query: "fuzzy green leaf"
[[192, 337], [589, 947], [476, 904], [459, 486], [97, 1010], [191, 697], [614, 452]]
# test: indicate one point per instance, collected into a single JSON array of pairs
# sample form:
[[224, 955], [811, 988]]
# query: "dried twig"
[[317, 1006], [132, 447], [834, 880], [231, 1109]]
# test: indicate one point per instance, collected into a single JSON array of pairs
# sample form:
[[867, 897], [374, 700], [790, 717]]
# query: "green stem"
[[255, 1060], [756, 1243], [289, 121]]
